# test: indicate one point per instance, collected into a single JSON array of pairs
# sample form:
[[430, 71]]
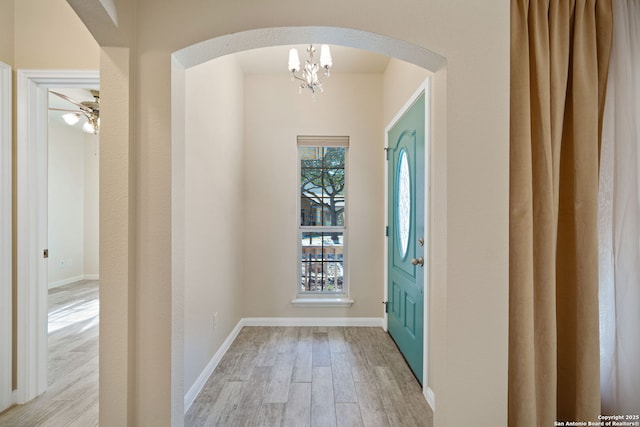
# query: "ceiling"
[[268, 60], [274, 59]]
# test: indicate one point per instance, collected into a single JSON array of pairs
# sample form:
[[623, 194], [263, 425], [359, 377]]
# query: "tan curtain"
[[559, 61]]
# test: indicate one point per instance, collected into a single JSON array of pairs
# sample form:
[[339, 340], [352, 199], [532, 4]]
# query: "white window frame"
[[323, 298]]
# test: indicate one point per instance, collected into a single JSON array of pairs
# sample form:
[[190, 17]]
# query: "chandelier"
[[309, 74]]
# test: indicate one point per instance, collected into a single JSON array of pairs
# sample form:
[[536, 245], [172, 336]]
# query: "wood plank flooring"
[[311, 376], [72, 395], [271, 376]]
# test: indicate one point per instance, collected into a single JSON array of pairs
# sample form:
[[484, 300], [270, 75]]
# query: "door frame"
[[425, 87], [6, 247], [32, 122]]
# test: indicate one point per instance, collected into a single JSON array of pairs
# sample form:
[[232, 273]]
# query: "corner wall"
[[213, 210], [91, 267], [400, 81]]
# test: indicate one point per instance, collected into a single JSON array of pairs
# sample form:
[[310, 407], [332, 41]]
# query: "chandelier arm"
[[309, 74], [299, 78]]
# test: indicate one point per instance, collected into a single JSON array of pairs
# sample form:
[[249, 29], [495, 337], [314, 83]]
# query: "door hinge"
[[45, 253], [386, 306], [386, 231], [386, 152]]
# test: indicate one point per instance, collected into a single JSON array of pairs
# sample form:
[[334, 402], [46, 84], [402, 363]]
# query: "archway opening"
[[184, 63]]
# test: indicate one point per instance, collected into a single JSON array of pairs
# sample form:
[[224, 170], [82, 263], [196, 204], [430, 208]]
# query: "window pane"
[[309, 155], [334, 157], [311, 196], [322, 182], [322, 262]]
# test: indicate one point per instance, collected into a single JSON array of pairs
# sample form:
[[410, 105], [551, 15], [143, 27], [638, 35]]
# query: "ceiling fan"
[[87, 109]]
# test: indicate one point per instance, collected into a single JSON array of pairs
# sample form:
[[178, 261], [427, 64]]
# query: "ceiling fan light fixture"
[[71, 118], [88, 127], [87, 109]]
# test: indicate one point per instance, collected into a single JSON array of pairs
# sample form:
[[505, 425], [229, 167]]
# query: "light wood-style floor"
[[304, 376], [271, 376], [72, 395]]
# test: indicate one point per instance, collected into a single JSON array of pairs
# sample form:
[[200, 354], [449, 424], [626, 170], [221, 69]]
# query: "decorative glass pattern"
[[404, 203]]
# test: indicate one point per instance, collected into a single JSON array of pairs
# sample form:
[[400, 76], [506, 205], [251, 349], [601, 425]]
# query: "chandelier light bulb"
[[325, 57], [294, 60]]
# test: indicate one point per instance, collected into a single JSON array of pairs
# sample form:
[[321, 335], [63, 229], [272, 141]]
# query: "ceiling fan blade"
[[84, 114], [66, 110], [84, 108]]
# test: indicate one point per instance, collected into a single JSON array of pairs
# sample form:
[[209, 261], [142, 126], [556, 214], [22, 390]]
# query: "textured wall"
[[470, 186], [214, 177]]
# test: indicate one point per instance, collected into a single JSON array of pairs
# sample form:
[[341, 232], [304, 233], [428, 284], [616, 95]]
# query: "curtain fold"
[[619, 219], [559, 62]]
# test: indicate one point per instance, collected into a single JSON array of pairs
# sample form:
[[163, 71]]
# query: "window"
[[322, 232]]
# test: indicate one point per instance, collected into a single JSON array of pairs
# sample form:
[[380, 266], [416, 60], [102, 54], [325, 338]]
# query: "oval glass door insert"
[[404, 203]]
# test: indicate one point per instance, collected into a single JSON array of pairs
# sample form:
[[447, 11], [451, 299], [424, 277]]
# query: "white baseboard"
[[66, 281], [73, 279], [313, 321], [430, 396], [197, 387]]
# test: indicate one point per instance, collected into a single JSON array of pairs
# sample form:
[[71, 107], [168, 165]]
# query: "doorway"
[[190, 57], [32, 221]]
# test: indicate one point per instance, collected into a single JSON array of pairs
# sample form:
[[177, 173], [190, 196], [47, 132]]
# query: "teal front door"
[[405, 236]]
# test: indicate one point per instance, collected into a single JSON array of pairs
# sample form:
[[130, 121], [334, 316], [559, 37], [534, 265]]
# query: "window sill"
[[322, 302]]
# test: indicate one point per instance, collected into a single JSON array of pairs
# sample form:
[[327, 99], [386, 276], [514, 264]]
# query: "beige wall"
[[49, 35], [471, 136], [66, 203], [6, 31], [401, 80], [91, 268], [73, 204], [213, 210], [275, 113]]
